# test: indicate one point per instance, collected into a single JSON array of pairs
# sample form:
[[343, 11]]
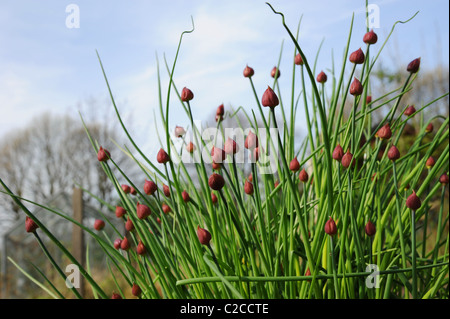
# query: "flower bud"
[[251, 141], [216, 182], [444, 179], [162, 157], [370, 37], [294, 165], [429, 128], [413, 201], [203, 235], [321, 77], [124, 245], [413, 66], [250, 177], [219, 118], [357, 57], [330, 227], [275, 73], [384, 132], [166, 208], [132, 190], [369, 99], [393, 153], [186, 197], [213, 198], [410, 110], [356, 87], [142, 211], [220, 110], [166, 190], [430, 162], [120, 211], [275, 185], [179, 131], [150, 187], [338, 153], [190, 147], [303, 176], [126, 189], [298, 59], [248, 72], [103, 155], [30, 225], [347, 159], [370, 229], [248, 188], [136, 290], [129, 225], [269, 98], [186, 95], [216, 166], [218, 155], [117, 243], [116, 296], [231, 147], [140, 249], [99, 224]]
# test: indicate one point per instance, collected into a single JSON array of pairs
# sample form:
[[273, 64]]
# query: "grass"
[[263, 244]]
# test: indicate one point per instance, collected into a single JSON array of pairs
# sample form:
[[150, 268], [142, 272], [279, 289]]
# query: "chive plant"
[[338, 208]]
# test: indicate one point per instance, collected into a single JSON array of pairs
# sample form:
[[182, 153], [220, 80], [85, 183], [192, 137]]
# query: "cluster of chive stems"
[[216, 181]]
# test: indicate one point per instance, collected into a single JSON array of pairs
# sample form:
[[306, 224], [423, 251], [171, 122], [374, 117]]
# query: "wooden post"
[[77, 233]]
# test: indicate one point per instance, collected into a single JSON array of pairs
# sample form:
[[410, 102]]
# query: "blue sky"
[[46, 66]]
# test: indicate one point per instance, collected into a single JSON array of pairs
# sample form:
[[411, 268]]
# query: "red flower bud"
[[99, 224], [216, 166], [413, 66], [186, 95], [347, 159], [120, 211], [179, 131], [321, 77], [430, 162], [356, 87], [132, 191], [251, 141], [275, 73], [136, 290], [117, 243], [294, 165], [129, 225], [220, 110], [393, 153], [140, 249], [429, 128], [443, 179], [303, 176], [231, 147], [218, 155], [384, 132], [186, 197], [269, 98], [103, 155], [162, 157], [298, 59], [248, 72], [116, 296], [213, 198], [166, 190], [250, 177], [338, 153], [219, 118], [357, 57], [203, 235], [30, 225], [248, 188], [410, 110], [150, 187], [370, 229], [413, 201], [142, 211], [126, 189], [369, 99], [330, 227], [370, 37], [166, 208], [124, 245], [190, 147], [216, 182]]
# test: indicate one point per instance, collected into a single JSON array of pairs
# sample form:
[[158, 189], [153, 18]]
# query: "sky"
[[45, 65]]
